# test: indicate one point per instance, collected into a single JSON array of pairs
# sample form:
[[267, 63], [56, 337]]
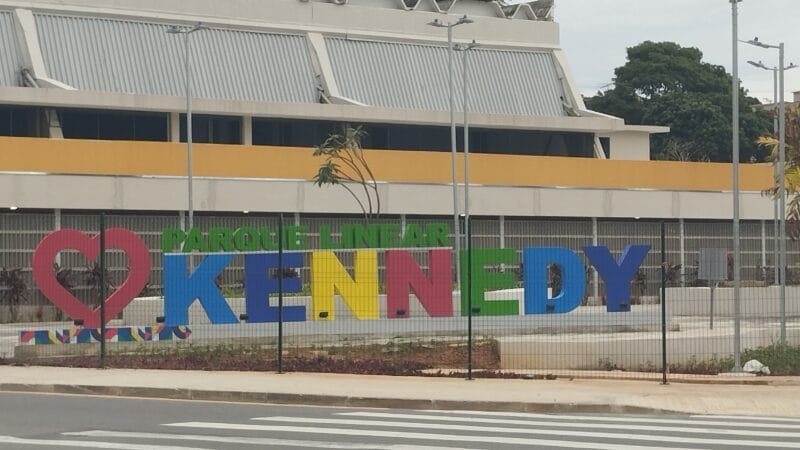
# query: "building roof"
[[10, 60], [108, 55], [415, 76]]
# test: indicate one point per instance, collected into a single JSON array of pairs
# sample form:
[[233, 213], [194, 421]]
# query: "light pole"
[[776, 127], [186, 32], [737, 263], [781, 171], [465, 77], [453, 150]]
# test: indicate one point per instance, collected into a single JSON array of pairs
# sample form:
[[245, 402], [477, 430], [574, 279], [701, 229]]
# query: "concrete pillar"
[[174, 127], [297, 219], [502, 231], [56, 227], [247, 130], [182, 219]]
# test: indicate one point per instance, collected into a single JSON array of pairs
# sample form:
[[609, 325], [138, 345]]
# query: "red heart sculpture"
[[119, 238]]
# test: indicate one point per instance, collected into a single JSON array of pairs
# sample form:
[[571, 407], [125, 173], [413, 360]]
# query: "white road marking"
[[530, 442], [625, 427], [751, 418], [629, 420], [472, 428], [252, 441], [89, 444]]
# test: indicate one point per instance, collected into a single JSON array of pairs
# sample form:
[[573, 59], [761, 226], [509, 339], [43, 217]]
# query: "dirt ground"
[[391, 359]]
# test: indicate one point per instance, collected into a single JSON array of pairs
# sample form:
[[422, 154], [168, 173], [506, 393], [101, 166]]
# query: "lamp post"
[[776, 128], [781, 171], [186, 32], [465, 77], [737, 306], [453, 148], [467, 236]]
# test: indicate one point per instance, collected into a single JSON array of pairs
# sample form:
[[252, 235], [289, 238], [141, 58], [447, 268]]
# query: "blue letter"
[[180, 290], [617, 277], [259, 282], [573, 280]]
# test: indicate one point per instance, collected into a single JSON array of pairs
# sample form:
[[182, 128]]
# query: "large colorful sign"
[[183, 286]]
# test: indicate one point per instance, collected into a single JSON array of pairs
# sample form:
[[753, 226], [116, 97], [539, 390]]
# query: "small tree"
[[345, 163], [93, 275], [14, 290], [792, 168]]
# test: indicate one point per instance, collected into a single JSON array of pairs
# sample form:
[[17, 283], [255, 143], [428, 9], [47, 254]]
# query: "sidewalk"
[[781, 398]]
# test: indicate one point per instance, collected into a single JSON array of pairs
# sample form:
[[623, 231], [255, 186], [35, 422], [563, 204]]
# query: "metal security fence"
[[538, 297]]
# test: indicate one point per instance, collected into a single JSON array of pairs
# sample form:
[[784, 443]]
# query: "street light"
[[453, 150], [466, 48], [737, 262], [781, 168], [467, 237], [186, 32], [775, 128]]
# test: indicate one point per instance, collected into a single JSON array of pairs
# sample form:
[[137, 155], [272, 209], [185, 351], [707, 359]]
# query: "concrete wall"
[[756, 302], [34, 191], [630, 145]]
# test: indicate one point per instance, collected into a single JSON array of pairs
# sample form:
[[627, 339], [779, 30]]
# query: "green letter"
[[220, 239], [268, 242], [482, 280], [170, 237], [246, 239], [413, 236], [195, 241], [325, 238], [390, 235], [295, 238], [438, 235]]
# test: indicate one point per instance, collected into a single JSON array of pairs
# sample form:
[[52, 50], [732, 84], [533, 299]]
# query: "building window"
[[113, 125], [21, 121], [292, 133], [213, 129], [307, 133]]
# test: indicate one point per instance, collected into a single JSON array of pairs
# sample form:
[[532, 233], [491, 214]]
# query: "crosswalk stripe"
[[629, 420], [419, 436], [750, 418], [251, 441], [89, 444], [473, 428], [540, 423]]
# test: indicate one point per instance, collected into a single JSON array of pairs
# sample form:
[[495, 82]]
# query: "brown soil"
[[391, 359]]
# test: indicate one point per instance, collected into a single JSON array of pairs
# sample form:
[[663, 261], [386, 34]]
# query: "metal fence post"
[[280, 293], [102, 264], [469, 300], [663, 304]]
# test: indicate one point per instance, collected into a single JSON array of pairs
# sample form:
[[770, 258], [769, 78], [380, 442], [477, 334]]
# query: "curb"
[[324, 400]]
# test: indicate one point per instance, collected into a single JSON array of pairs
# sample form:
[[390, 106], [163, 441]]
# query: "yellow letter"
[[329, 277]]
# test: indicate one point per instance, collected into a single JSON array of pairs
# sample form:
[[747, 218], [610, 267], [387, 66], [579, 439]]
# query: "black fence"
[[392, 296]]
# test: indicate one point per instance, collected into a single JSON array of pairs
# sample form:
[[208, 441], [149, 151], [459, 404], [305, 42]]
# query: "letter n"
[[404, 275], [359, 293]]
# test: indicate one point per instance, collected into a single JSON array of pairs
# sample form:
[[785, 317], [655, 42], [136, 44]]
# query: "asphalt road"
[[29, 421]]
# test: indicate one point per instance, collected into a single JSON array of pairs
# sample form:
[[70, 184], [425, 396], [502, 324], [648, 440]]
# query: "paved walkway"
[[780, 398]]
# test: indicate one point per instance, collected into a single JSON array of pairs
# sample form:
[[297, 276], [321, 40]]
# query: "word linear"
[[403, 276]]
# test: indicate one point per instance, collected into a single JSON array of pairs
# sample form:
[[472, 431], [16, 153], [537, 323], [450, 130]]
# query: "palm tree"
[[345, 163], [792, 177]]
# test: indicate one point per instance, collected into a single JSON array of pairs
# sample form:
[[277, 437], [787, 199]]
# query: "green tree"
[[663, 83], [345, 164]]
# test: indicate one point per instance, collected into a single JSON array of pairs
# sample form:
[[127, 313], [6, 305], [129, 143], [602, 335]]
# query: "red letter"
[[434, 292]]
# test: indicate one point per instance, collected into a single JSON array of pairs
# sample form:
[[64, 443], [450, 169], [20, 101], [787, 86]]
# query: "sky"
[[596, 33]]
